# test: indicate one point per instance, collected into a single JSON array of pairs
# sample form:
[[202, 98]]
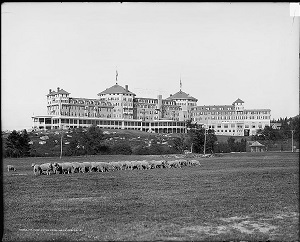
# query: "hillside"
[[48, 143]]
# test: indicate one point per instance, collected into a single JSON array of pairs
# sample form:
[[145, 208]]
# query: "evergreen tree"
[[13, 146], [231, 144], [24, 143], [17, 145], [179, 143], [197, 138], [211, 139]]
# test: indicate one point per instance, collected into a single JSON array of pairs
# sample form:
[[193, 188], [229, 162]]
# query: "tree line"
[[288, 125], [93, 142], [199, 140], [17, 144]]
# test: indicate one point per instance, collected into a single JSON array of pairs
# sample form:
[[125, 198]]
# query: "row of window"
[[227, 113], [148, 117], [230, 118], [233, 131], [142, 100], [118, 99], [185, 104], [226, 126], [58, 95], [147, 112], [126, 104], [213, 108], [169, 102], [136, 105]]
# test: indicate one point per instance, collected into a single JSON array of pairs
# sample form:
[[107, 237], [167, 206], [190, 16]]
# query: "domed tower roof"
[[238, 101], [116, 89], [181, 95]]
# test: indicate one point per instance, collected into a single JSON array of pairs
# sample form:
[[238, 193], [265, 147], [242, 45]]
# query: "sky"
[[219, 51]]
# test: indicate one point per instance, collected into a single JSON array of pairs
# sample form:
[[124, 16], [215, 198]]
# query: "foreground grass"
[[235, 197]]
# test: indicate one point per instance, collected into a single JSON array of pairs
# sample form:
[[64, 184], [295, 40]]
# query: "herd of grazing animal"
[[82, 167]]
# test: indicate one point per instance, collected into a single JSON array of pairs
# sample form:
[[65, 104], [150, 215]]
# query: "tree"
[[122, 149], [13, 144], [88, 142], [179, 143], [222, 147], [24, 143], [231, 144], [76, 146], [197, 137], [268, 133], [211, 139], [17, 145], [93, 140], [242, 145]]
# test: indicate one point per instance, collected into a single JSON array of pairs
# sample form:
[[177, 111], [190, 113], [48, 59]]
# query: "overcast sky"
[[222, 52]]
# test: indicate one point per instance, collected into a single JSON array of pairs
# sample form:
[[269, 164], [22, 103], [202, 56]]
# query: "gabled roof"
[[51, 93], [238, 101], [256, 143], [181, 95], [60, 91], [117, 89]]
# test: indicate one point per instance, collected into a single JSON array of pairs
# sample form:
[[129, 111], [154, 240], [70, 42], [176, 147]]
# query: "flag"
[[180, 83], [116, 76]]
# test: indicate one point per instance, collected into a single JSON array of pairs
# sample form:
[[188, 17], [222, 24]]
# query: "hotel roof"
[[60, 91], [116, 89], [181, 95], [238, 101]]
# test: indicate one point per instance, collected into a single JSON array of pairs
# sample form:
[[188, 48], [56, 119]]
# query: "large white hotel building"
[[119, 108]]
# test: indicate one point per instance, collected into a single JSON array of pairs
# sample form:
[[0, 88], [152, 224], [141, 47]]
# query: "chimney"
[[50, 91], [170, 95], [126, 88], [58, 89], [159, 97]]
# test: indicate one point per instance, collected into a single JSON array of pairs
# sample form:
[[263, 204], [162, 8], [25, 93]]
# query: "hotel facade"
[[119, 108]]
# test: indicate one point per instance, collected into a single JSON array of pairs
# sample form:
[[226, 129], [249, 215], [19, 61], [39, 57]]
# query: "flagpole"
[[116, 76], [180, 83]]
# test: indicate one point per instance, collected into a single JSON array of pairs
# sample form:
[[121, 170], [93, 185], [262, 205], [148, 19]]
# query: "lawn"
[[235, 197]]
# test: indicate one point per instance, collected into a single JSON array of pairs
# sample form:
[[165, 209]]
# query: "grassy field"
[[252, 197]]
